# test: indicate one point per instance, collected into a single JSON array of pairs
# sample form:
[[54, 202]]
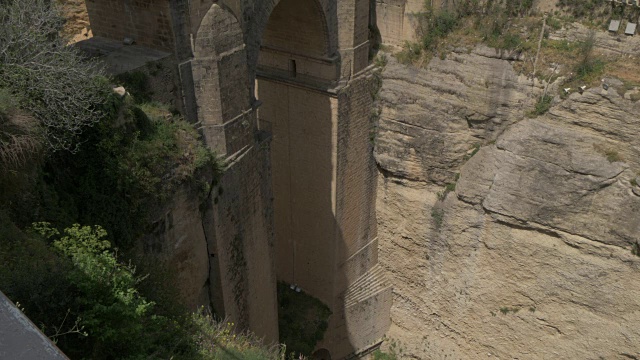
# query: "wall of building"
[[356, 179], [147, 22], [239, 231], [397, 20], [239, 223], [304, 124]]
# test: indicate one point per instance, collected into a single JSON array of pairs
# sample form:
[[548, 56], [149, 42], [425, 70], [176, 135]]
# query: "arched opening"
[[297, 27], [293, 81], [295, 44], [221, 83]]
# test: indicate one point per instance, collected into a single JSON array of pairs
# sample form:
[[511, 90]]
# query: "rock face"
[[530, 257], [432, 118], [176, 248]]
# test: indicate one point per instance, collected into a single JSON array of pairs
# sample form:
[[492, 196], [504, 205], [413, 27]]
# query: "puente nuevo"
[[451, 179], [282, 90]]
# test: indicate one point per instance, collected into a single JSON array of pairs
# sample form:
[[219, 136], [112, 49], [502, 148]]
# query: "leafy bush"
[[381, 355], [588, 66], [518, 7], [220, 341], [137, 84], [437, 214], [440, 24], [120, 174], [394, 352], [110, 308], [86, 300], [302, 320], [410, 52], [19, 140], [585, 8]]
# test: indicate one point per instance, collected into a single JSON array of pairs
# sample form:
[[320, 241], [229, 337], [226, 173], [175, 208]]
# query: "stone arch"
[[296, 41], [221, 81], [256, 21], [298, 27], [218, 33], [295, 78]]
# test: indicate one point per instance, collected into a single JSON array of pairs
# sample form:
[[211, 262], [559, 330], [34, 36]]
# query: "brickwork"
[[303, 124], [148, 22], [390, 19], [397, 21], [176, 243], [220, 80], [297, 27], [356, 171]]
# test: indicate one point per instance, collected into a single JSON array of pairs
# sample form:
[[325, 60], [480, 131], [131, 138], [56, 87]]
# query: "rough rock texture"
[[76, 27], [176, 247], [530, 257], [432, 118]]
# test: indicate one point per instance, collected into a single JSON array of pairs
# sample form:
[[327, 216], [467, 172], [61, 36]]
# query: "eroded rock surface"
[[531, 256], [431, 119]]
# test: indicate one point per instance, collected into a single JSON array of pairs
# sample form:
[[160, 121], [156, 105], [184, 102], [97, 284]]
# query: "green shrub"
[[122, 173], [219, 340], [8, 104], [542, 105], [116, 320], [440, 24], [78, 292], [588, 66], [410, 53], [137, 84], [381, 355], [302, 320], [511, 41]]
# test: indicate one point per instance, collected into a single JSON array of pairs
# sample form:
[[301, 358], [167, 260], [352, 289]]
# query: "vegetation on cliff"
[[72, 151], [557, 49], [302, 320]]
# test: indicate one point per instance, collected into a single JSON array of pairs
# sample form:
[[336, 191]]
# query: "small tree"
[[47, 78], [588, 64]]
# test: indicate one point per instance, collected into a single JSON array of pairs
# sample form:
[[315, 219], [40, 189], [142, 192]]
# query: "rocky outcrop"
[[432, 118], [530, 257], [175, 250]]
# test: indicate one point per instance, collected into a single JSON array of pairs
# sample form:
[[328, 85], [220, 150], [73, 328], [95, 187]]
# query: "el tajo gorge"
[[282, 91]]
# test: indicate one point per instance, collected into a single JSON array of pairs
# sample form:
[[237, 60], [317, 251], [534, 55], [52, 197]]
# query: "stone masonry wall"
[[356, 180], [303, 124], [147, 22], [239, 231]]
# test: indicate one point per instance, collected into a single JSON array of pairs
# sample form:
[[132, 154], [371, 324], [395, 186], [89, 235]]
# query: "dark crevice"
[[531, 228]]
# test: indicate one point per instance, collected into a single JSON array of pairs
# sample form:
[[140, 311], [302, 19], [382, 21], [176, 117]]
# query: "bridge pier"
[[297, 200]]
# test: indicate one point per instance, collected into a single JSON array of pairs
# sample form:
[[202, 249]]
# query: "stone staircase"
[[368, 285]]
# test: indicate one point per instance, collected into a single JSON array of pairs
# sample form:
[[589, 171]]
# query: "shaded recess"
[[300, 117]]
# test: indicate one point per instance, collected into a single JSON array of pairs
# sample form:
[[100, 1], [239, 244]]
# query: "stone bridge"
[[283, 91]]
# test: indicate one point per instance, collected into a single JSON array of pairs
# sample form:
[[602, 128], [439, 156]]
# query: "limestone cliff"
[[530, 257]]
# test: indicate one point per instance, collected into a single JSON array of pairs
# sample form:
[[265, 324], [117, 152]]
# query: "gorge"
[[454, 202]]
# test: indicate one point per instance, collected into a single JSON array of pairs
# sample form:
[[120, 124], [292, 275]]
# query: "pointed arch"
[[298, 27], [218, 33], [221, 81]]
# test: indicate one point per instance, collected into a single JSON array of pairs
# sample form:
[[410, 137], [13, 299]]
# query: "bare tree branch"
[[62, 90]]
